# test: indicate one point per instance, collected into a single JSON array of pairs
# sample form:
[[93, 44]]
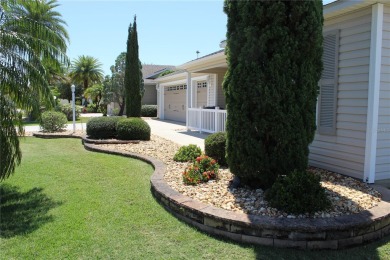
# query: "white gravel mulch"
[[65, 132], [348, 196]]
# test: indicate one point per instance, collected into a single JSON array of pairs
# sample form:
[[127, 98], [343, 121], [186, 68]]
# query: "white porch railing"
[[207, 120]]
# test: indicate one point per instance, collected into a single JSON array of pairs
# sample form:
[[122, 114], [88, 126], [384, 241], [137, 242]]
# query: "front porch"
[[206, 120]]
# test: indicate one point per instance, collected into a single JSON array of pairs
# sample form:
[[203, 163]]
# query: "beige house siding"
[[383, 143], [220, 94], [150, 95], [344, 151]]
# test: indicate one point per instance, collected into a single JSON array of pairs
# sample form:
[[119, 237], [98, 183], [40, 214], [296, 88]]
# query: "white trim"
[[171, 83], [201, 60], [162, 102], [188, 96], [373, 93], [215, 89]]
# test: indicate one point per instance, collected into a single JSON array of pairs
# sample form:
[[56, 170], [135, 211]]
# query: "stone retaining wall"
[[321, 233]]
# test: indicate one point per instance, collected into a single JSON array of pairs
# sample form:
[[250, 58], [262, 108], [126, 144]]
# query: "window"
[[202, 84], [327, 100], [178, 87]]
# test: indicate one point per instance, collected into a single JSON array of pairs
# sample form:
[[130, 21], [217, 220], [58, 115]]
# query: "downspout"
[[373, 93]]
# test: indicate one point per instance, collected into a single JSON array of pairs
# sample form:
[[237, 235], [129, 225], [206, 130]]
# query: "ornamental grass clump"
[[187, 153], [203, 169], [298, 193]]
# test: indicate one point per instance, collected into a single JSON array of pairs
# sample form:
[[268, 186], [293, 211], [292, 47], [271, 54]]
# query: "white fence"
[[207, 120]]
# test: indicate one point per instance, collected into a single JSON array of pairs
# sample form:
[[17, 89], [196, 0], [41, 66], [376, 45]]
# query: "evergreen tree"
[[274, 51], [133, 74]]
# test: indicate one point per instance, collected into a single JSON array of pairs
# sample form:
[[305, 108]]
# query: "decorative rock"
[[348, 196]]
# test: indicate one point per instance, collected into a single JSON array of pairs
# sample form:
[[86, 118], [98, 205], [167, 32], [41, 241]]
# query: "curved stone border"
[[322, 233], [84, 138], [51, 136], [108, 141]]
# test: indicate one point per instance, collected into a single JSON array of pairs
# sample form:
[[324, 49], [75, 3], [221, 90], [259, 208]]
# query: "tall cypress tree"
[[133, 74], [274, 51]]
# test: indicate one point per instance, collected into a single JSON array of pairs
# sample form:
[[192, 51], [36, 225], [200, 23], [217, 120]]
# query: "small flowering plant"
[[203, 169]]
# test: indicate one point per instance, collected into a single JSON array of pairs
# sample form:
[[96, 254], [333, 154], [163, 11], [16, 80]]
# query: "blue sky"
[[169, 32]]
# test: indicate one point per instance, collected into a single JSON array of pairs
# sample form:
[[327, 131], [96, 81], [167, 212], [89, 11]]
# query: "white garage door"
[[174, 103], [201, 94]]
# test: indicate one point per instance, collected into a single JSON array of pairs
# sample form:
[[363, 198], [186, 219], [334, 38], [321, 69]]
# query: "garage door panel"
[[174, 105]]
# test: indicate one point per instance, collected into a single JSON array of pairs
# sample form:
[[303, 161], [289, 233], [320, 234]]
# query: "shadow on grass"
[[22, 213]]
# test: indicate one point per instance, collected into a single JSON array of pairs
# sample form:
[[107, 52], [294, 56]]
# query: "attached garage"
[[201, 94], [175, 103]]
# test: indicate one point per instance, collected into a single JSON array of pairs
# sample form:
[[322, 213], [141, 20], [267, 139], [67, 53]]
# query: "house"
[[150, 72], [353, 112], [202, 105]]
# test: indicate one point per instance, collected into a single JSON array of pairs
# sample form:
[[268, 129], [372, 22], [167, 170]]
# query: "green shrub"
[[102, 127], [149, 110], [133, 128], [52, 121], [187, 153], [68, 111], [215, 146], [298, 193], [203, 169]]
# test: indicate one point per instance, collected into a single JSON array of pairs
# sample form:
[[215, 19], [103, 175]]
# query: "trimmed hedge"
[[103, 127], [52, 121], [299, 192], [215, 147], [133, 128], [149, 110], [187, 153]]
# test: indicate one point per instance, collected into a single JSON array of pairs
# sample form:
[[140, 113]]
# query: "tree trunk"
[[85, 84]]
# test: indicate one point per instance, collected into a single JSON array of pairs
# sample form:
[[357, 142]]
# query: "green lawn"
[[64, 202]]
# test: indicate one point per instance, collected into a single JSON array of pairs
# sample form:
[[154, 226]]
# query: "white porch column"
[[373, 93], [158, 100], [161, 97], [188, 97]]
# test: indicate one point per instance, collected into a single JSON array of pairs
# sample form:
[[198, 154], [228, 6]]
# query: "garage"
[[201, 94], [175, 103]]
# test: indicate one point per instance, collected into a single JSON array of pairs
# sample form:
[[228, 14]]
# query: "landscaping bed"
[[348, 196]]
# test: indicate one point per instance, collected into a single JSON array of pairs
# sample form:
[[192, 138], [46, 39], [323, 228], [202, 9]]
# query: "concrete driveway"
[[176, 132]]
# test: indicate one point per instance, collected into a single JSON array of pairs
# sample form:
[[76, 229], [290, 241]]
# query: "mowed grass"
[[64, 202]]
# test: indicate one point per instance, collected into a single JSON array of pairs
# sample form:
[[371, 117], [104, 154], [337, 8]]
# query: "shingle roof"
[[151, 69]]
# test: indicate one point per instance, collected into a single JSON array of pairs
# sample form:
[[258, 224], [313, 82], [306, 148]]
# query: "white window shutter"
[[328, 85]]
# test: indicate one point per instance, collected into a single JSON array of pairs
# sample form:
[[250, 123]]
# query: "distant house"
[[353, 119]]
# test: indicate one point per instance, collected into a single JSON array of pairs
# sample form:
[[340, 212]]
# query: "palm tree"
[[24, 44], [86, 70]]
